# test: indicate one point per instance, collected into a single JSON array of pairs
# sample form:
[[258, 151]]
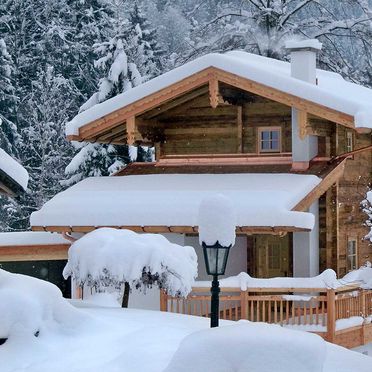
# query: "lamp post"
[[215, 257], [217, 224]]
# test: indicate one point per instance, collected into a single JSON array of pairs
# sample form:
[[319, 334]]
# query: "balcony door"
[[273, 256]]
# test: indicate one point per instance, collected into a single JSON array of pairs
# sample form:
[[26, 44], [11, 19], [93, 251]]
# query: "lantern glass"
[[215, 257]]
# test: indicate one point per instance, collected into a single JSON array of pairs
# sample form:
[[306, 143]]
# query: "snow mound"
[[115, 256], [217, 220], [13, 169], [28, 305], [253, 347], [327, 279], [363, 276]]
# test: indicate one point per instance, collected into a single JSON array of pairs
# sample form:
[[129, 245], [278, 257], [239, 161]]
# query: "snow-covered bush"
[[29, 305], [253, 347], [217, 220], [107, 258]]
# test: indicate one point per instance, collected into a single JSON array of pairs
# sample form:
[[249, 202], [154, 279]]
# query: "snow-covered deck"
[[260, 200]]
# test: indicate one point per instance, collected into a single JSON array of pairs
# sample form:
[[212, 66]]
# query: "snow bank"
[[117, 256], [327, 279], [217, 221], [174, 200], [29, 305], [332, 90], [253, 347], [363, 276], [31, 238], [13, 169]]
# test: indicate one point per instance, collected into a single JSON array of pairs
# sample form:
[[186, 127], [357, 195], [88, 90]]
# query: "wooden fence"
[[316, 310]]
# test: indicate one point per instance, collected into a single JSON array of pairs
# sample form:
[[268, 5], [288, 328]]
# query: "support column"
[[306, 248], [303, 149]]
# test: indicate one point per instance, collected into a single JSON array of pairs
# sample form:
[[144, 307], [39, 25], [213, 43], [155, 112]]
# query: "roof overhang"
[[168, 203], [124, 120]]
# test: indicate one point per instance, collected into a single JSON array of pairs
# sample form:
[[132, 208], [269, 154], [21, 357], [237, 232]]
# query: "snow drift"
[[29, 305]]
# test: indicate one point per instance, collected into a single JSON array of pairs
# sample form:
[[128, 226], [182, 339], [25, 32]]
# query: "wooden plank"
[[213, 91], [302, 123], [322, 187], [211, 76], [239, 122], [34, 252], [331, 315]]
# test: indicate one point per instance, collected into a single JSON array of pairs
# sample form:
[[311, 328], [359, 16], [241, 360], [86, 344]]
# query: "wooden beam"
[[209, 76], [34, 252], [239, 122], [213, 91], [354, 152], [277, 230], [302, 123], [285, 98], [322, 187], [175, 103]]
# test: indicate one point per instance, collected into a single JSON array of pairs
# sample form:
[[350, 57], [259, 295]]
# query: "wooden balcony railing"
[[316, 310]]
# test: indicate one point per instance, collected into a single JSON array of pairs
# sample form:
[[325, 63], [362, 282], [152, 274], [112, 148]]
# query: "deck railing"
[[312, 309]]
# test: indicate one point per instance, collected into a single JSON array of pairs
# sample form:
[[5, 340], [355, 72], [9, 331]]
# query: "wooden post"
[[213, 91], [244, 304], [239, 121], [163, 301], [363, 309], [331, 315]]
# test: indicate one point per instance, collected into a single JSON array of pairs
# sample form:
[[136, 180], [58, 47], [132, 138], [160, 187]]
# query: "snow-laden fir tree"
[[9, 136]]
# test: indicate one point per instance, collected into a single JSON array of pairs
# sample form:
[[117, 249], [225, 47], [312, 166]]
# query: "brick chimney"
[[303, 67]]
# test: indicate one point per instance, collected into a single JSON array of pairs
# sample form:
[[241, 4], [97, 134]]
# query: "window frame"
[[260, 130], [352, 259], [349, 141]]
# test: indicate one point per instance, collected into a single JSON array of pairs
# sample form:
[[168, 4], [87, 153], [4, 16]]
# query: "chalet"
[[287, 142], [13, 177]]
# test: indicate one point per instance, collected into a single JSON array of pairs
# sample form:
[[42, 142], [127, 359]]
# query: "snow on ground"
[[13, 169], [85, 338]]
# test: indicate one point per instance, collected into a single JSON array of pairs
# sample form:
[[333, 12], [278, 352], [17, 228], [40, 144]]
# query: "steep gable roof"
[[332, 98]]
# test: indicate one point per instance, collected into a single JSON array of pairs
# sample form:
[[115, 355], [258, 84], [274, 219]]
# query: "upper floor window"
[[352, 254], [269, 139], [349, 142]]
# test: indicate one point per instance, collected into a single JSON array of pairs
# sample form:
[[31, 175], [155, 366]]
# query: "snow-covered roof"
[[13, 169], [30, 238], [174, 199], [332, 90]]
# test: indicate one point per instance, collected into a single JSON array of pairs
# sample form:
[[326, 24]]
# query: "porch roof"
[[170, 202], [13, 177]]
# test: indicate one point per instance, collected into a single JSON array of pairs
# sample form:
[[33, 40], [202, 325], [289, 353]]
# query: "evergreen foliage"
[[59, 57]]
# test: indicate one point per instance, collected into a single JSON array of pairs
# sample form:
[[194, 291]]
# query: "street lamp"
[[217, 224], [215, 257]]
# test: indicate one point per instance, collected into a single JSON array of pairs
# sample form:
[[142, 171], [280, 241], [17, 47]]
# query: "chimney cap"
[[304, 45]]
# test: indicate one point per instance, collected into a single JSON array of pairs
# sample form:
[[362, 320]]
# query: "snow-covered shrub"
[[253, 347], [107, 258], [28, 305]]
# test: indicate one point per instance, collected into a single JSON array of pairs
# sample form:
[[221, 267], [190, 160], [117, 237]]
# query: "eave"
[[125, 118]]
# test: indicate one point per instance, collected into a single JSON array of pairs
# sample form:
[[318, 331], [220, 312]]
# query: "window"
[[274, 256], [352, 257], [269, 139], [349, 142]]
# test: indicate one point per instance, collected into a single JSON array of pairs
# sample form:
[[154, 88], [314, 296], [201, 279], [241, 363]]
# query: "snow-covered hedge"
[[109, 257], [29, 305]]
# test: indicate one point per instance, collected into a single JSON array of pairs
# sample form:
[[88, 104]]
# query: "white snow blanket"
[[31, 238], [111, 256], [111, 340], [30, 306], [363, 276], [327, 279], [332, 90], [217, 221], [174, 200], [13, 169]]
